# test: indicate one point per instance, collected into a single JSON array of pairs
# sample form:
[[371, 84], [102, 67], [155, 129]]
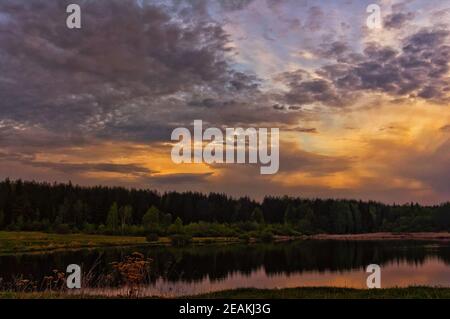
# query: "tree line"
[[29, 205]]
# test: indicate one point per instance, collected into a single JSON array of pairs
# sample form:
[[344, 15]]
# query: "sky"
[[363, 113]]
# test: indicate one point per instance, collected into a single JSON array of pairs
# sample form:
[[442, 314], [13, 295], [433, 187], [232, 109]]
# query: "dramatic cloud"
[[315, 19], [434, 168], [362, 113], [119, 74], [233, 5], [293, 159], [397, 20], [418, 70]]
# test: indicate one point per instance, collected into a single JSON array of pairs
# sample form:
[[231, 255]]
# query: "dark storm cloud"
[[397, 20], [242, 82], [71, 168], [210, 103], [310, 130], [26, 136], [134, 72], [234, 5], [334, 50], [419, 69], [317, 90], [76, 168], [278, 107], [122, 76], [303, 92]]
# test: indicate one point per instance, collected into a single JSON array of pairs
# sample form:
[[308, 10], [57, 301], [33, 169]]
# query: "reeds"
[[131, 274]]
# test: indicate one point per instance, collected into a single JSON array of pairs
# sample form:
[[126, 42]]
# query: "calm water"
[[181, 271]]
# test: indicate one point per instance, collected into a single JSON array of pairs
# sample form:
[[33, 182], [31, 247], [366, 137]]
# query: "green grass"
[[37, 242], [332, 293], [29, 242], [292, 293]]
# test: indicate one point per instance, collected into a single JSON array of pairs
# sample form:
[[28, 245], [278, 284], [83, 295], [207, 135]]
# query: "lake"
[[201, 269]]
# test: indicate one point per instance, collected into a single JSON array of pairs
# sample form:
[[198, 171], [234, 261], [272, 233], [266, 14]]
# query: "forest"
[[68, 208]]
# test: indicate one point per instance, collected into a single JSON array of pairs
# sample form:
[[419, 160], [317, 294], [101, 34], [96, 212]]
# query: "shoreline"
[[12, 243], [28, 243], [412, 292], [438, 236]]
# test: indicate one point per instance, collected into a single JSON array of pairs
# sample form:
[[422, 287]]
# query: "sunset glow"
[[362, 113]]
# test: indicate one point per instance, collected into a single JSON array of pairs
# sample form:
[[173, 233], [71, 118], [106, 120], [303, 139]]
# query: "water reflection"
[[180, 271]]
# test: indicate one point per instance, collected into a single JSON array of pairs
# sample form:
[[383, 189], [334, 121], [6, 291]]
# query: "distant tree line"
[[116, 210]]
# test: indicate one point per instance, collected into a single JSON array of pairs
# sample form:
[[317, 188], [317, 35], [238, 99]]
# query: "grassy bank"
[[332, 293], [36, 242], [293, 293], [29, 242]]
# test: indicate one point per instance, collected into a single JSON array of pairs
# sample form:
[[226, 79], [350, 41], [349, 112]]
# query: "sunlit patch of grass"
[[35, 242], [29, 242]]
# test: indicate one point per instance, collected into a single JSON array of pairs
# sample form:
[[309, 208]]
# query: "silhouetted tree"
[[43, 206], [112, 221], [125, 216], [150, 221]]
